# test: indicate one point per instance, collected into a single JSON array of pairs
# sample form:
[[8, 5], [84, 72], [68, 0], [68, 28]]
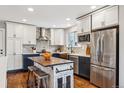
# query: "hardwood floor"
[[19, 80]]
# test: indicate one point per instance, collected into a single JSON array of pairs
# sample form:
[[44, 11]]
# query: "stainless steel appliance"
[[83, 38], [75, 59], [104, 58]]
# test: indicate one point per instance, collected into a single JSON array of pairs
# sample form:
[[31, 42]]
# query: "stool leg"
[[44, 82], [28, 79], [47, 82], [39, 83]]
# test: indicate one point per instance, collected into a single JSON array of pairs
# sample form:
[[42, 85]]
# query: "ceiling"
[[45, 15]]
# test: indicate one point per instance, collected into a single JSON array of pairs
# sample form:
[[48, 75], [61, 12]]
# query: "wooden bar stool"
[[31, 77], [41, 76]]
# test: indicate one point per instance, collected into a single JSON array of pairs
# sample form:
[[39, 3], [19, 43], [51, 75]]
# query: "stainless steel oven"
[[76, 63]]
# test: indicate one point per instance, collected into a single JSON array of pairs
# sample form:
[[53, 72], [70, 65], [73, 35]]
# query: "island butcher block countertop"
[[54, 61]]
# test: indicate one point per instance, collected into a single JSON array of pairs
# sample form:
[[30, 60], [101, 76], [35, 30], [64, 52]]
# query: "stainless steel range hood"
[[42, 34]]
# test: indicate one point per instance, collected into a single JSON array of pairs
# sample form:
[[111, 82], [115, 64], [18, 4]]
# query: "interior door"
[[96, 76], [2, 42], [109, 78], [108, 47], [3, 71], [95, 48]]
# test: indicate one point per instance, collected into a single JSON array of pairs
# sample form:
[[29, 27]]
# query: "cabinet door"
[[61, 37], [52, 37], [29, 35], [10, 62], [18, 62], [109, 78], [68, 80], [59, 80], [18, 45], [56, 37], [111, 16], [10, 46], [26, 35], [19, 29], [32, 34], [86, 24], [98, 20], [10, 29]]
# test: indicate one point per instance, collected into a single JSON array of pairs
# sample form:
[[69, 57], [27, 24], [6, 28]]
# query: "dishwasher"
[[75, 59]]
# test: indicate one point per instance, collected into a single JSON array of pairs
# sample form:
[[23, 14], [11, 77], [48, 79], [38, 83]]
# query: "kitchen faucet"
[[71, 47]]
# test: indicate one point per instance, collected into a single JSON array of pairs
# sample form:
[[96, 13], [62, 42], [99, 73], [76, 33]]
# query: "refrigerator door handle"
[[102, 48]]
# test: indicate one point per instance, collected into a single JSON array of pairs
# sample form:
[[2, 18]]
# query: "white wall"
[[121, 52]]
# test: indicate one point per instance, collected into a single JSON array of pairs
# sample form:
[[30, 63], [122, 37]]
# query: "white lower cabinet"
[[10, 62], [14, 53], [18, 62], [64, 80], [14, 62]]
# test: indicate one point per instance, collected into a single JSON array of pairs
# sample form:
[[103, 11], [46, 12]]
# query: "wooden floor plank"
[[19, 80]]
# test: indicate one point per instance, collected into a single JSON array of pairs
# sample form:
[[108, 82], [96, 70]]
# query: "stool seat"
[[32, 68], [39, 73]]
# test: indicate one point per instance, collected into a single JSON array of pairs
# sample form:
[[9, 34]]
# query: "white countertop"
[[79, 55]]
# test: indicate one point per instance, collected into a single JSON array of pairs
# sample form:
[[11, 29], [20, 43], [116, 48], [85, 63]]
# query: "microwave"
[[84, 38]]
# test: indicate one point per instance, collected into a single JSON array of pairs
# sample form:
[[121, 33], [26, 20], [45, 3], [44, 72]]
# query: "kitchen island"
[[60, 71]]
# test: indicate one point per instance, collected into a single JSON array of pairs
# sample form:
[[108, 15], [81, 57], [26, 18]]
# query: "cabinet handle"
[[1, 50], [1, 53]]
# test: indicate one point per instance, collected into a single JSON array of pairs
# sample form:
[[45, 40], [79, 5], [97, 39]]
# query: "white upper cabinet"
[[104, 18], [111, 16], [19, 29], [84, 25], [10, 29], [14, 30], [57, 37], [29, 35], [26, 32], [98, 20]]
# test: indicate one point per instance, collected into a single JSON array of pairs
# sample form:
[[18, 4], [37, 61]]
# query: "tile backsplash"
[[45, 45]]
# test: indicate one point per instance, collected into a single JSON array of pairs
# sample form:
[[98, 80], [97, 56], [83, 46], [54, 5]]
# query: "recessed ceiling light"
[[30, 9], [24, 20], [54, 25], [93, 7], [68, 19]]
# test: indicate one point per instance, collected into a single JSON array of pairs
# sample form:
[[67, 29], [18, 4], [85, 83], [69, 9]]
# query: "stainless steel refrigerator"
[[104, 58]]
